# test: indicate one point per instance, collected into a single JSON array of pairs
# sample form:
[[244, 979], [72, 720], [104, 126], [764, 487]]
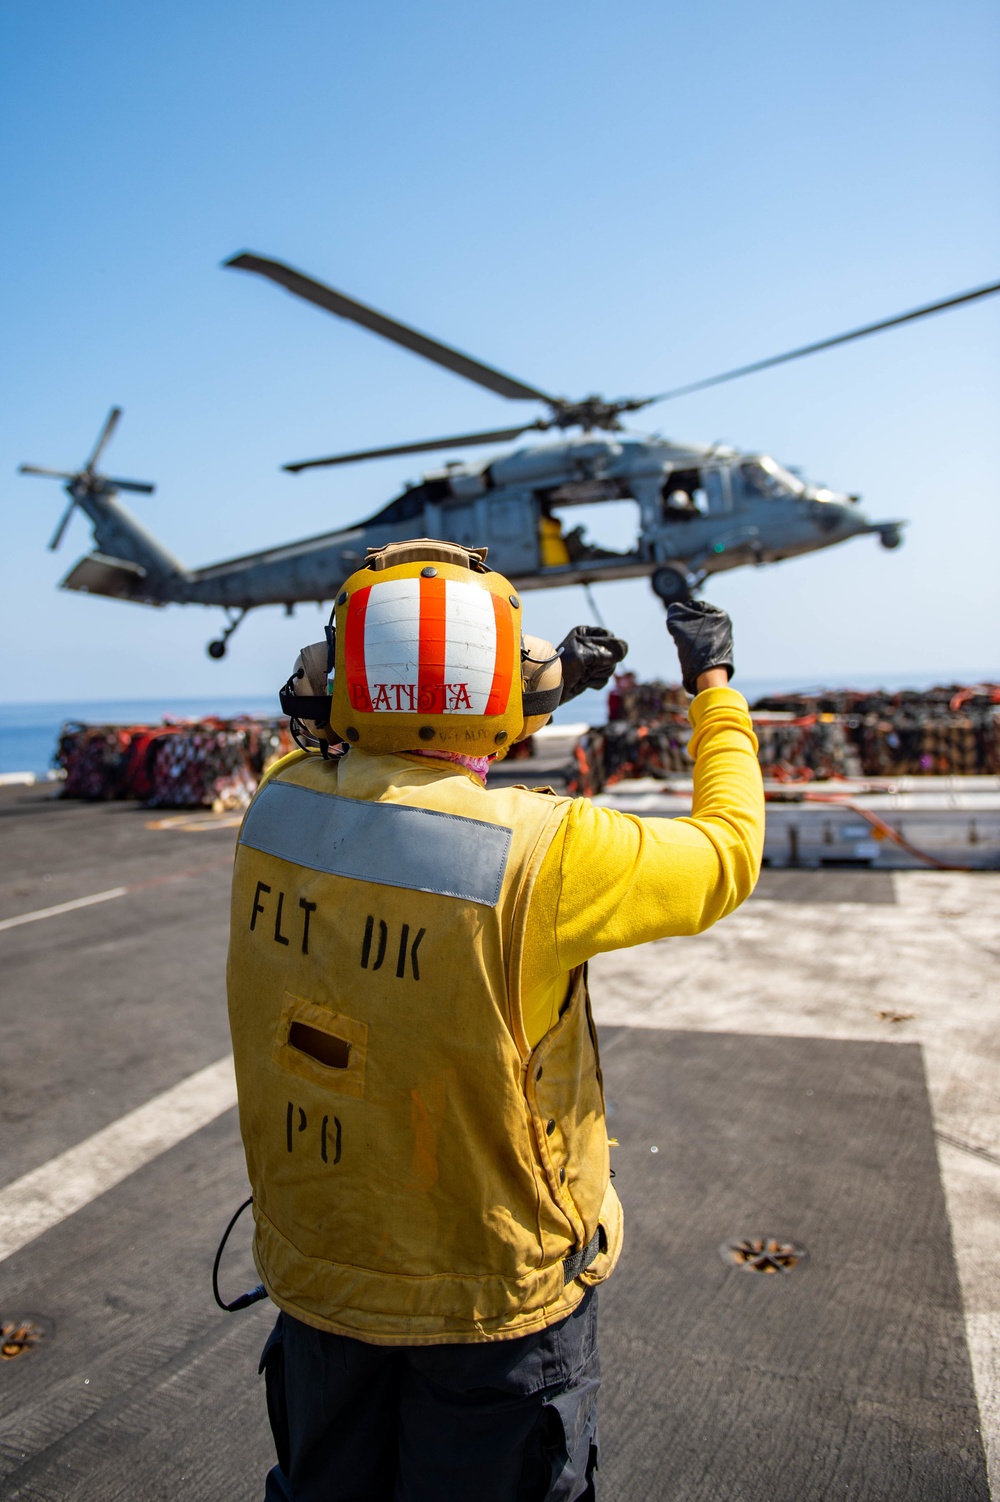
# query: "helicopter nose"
[[851, 520], [835, 515], [850, 517]]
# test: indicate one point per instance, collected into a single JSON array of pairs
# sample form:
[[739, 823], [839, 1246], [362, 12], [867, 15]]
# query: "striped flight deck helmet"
[[427, 652]]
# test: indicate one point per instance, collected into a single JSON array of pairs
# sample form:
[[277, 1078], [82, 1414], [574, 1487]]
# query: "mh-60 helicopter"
[[702, 509]]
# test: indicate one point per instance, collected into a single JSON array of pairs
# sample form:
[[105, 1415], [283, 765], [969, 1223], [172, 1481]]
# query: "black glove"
[[589, 655], [703, 635]]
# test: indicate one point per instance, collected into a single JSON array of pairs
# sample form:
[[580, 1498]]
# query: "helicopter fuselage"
[[704, 510], [700, 511]]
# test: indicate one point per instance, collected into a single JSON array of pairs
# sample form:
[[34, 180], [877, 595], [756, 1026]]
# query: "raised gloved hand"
[[589, 655], [703, 635]]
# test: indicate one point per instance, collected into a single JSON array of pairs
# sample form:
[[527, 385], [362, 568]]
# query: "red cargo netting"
[[209, 763]]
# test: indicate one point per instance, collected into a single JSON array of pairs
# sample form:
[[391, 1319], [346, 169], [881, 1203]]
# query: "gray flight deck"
[[821, 1068]]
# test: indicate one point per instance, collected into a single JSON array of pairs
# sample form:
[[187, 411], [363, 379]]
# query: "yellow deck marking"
[[197, 823]]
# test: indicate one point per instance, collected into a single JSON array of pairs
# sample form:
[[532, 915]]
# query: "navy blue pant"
[[505, 1421]]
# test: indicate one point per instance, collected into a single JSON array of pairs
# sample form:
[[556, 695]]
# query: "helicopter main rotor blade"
[[57, 535], [812, 349], [499, 435], [51, 474], [104, 439], [357, 312]]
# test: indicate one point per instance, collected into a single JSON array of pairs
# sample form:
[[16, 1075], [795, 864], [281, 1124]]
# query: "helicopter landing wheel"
[[217, 649], [671, 584]]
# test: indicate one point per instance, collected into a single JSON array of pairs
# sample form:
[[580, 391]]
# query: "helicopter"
[[703, 508]]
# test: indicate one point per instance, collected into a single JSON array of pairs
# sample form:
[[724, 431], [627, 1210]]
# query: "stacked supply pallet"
[[802, 737], [948, 731], [646, 736], [179, 764], [798, 748]]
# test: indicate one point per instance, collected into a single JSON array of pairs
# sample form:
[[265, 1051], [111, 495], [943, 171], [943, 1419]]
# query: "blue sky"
[[592, 197]]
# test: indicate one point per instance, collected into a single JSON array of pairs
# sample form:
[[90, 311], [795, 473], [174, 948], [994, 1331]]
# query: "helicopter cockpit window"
[[767, 480]]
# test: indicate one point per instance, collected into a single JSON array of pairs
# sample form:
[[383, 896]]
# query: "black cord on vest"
[[245, 1299]]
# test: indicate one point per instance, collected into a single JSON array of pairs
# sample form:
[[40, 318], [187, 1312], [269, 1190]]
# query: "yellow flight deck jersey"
[[611, 880], [420, 1093]]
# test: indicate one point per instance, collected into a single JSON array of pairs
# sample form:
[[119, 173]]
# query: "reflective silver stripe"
[[387, 843]]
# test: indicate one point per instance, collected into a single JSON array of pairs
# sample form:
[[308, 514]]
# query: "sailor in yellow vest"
[[419, 1086]]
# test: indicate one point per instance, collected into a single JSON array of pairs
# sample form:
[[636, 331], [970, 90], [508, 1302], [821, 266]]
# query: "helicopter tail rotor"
[[87, 481], [57, 535], [50, 474], [104, 438]]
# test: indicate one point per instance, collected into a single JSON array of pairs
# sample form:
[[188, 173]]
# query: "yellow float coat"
[[420, 1095]]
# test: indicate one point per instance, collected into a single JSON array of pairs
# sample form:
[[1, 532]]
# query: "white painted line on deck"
[[42, 1198], [135, 886], [63, 907]]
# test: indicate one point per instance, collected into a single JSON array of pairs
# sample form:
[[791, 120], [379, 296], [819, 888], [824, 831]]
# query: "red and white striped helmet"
[[428, 653]]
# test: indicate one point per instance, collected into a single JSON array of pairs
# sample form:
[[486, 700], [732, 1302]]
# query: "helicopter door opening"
[[684, 496], [580, 532]]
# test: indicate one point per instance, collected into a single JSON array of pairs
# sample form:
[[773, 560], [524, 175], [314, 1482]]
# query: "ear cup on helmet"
[[313, 660], [541, 675], [305, 697]]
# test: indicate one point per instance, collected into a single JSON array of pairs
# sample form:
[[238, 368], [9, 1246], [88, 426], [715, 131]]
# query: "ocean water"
[[29, 732]]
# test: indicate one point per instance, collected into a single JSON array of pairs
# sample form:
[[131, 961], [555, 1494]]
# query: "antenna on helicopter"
[[87, 481], [590, 413]]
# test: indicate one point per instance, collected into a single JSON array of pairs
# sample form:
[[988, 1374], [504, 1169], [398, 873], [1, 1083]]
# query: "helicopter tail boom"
[[128, 563]]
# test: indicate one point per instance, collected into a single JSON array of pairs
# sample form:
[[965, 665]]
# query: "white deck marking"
[[135, 886], [63, 907], [42, 1198]]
